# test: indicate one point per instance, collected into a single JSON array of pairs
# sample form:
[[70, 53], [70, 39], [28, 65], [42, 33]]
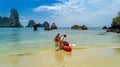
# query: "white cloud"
[[71, 6], [88, 12], [44, 8]]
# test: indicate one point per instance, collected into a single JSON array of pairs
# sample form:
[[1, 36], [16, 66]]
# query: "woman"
[[57, 39]]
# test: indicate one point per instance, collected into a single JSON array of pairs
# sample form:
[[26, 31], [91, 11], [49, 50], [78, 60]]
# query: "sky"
[[65, 13]]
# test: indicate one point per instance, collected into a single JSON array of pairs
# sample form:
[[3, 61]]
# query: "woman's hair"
[[58, 34], [65, 35]]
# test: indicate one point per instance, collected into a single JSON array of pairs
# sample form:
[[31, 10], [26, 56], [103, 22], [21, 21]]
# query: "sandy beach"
[[78, 57]]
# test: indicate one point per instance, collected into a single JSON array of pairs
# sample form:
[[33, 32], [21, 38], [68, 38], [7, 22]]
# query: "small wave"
[[21, 54]]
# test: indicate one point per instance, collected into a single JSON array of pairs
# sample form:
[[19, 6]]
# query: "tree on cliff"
[[116, 22]]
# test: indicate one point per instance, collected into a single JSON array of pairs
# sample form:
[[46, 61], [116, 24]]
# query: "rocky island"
[[54, 26], [45, 25], [77, 27], [31, 23], [12, 21]]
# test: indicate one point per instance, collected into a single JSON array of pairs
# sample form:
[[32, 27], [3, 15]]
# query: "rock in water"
[[54, 26], [31, 23], [47, 29], [77, 27], [105, 27], [14, 19], [45, 24]]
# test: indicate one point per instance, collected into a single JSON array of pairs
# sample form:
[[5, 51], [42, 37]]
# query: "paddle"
[[73, 45]]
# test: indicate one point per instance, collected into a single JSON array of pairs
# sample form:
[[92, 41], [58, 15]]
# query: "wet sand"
[[92, 57]]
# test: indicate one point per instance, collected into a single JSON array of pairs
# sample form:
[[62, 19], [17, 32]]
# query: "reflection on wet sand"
[[117, 50], [61, 54]]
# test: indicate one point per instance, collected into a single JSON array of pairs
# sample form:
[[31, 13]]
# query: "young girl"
[[62, 40]]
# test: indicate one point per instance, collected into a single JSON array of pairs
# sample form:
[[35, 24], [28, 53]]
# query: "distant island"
[[12, 21], [78, 27]]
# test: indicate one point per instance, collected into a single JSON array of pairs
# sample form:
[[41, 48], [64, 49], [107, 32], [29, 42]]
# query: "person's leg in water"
[[56, 43], [61, 44]]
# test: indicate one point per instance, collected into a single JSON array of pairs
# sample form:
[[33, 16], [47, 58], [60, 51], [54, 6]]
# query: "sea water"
[[26, 40]]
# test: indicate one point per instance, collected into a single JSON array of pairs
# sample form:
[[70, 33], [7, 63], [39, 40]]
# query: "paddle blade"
[[73, 45]]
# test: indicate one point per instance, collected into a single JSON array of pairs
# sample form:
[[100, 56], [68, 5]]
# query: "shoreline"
[[91, 57]]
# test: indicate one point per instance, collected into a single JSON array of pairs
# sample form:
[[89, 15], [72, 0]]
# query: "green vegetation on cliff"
[[116, 22]]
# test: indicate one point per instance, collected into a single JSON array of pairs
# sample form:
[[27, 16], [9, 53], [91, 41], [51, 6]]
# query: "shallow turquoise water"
[[25, 40]]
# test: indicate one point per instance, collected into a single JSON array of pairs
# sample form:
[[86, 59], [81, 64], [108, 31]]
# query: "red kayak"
[[66, 46]]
